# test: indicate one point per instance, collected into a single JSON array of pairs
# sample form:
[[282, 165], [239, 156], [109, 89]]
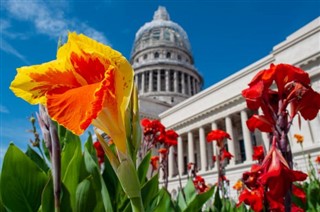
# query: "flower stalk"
[[52, 143]]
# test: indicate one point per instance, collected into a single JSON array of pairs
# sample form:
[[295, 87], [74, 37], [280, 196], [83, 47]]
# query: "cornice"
[[225, 106], [292, 39]]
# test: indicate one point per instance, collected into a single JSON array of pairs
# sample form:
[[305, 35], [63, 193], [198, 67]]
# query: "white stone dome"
[[161, 31]]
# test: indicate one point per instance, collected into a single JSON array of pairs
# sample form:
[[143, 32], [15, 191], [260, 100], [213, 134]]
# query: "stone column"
[[159, 80], [150, 81], [142, 82], [167, 80], [175, 82], [190, 148], [246, 135], [136, 79], [183, 84], [231, 147], [203, 151], [194, 86], [180, 156], [171, 162]]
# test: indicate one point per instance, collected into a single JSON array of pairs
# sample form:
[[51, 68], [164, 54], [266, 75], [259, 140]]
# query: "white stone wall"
[[215, 105]]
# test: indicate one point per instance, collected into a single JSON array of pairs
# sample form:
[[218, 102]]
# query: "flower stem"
[[137, 205]]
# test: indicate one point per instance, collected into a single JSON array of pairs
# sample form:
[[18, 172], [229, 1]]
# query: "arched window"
[[168, 55], [156, 55]]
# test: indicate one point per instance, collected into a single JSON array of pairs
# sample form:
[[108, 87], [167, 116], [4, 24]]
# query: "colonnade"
[[193, 146], [167, 81]]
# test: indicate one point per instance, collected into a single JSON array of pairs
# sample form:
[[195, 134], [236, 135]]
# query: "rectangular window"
[[171, 80], [163, 80], [155, 80]]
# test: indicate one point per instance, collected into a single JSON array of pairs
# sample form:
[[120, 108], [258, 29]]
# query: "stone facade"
[[169, 89], [196, 116]]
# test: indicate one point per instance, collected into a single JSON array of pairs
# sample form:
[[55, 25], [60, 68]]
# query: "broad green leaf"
[[33, 155], [163, 201], [71, 158], [197, 203], [47, 198], [217, 200], [111, 180], [85, 196], [102, 194], [130, 185], [313, 196], [143, 167], [181, 202], [190, 191], [150, 190], [22, 181], [2, 208], [90, 148]]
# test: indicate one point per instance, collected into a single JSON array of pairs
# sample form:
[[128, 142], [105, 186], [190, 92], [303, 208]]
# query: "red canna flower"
[[250, 179], [254, 198], [277, 176], [226, 155], [318, 159], [171, 138], [155, 129], [258, 153], [295, 208], [219, 136], [298, 192], [154, 162], [214, 158], [263, 123], [100, 151], [199, 184], [190, 166]]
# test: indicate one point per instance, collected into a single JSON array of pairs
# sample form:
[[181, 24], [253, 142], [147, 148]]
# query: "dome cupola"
[[162, 59]]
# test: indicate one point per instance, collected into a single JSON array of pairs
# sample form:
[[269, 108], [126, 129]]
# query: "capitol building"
[[170, 89]]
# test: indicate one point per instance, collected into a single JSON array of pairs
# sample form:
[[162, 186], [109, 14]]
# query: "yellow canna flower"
[[87, 83], [299, 138]]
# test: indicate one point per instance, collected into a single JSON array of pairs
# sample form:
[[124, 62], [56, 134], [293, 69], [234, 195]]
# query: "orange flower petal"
[[33, 82]]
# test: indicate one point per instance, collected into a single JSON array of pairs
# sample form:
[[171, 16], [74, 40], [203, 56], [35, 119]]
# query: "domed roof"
[[161, 31]]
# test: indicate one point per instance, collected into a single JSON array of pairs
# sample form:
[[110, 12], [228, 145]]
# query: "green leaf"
[[112, 183], [22, 181], [181, 203], [71, 158], [144, 167], [217, 200], [47, 198], [163, 201], [85, 196], [190, 191], [89, 145], [99, 186], [33, 155], [130, 185], [150, 190], [197, 203]]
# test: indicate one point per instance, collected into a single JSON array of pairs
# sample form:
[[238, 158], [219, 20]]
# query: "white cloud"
[[3, 109], [49, 18], [6, 47]]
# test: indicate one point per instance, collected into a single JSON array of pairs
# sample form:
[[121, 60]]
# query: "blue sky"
[[225, 36]]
